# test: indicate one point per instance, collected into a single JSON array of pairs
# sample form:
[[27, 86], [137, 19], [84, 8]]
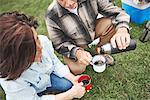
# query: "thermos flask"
[[145, 36], [107, 48]]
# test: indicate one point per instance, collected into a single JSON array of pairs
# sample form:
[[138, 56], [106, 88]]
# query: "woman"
[[29, 69]]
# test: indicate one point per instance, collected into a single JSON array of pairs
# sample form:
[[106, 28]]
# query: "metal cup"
[[99, 63]]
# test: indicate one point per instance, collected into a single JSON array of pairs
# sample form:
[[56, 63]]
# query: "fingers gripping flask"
[[108, 49]]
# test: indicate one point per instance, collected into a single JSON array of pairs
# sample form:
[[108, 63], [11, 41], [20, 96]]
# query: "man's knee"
[[104, 30], [79, 71], [75, 67]]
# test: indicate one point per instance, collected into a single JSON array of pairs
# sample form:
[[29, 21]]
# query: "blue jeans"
[[58, 85]]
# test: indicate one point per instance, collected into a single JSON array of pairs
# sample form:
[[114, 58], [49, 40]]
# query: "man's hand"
[[121, 39], [83, 57]]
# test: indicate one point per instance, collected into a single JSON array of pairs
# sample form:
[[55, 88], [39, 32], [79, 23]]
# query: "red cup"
[[86, 80]]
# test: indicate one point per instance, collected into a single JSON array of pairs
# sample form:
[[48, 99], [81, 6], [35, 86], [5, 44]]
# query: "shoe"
[[109, 59]]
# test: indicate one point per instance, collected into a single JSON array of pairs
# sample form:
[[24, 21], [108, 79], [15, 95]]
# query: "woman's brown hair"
[[17, 44]]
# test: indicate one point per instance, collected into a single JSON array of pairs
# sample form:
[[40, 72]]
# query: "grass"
[[128, 79]]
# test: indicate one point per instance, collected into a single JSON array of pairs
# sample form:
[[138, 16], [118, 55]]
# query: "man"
[[72, 26]]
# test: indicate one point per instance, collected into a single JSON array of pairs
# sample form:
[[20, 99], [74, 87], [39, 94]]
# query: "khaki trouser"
[[104, 30]]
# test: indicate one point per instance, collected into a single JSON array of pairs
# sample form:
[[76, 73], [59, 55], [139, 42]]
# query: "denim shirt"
[[36, 78]]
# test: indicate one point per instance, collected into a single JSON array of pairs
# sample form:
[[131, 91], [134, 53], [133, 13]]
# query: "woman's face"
[[38, 46], [71, 4]]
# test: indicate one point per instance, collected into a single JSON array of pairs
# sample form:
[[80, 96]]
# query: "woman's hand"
[[76, 78], [72, 78], [77, 91], [121, 39]]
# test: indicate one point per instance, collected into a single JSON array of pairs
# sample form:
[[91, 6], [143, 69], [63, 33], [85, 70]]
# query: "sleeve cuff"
[[73, 53], [122, 24]]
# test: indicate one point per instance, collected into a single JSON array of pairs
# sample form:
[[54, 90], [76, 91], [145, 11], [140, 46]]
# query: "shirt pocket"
[[75, 33], [70, 27]]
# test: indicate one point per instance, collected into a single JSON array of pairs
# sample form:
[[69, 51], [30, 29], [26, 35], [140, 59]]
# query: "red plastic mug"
[[86, 82]]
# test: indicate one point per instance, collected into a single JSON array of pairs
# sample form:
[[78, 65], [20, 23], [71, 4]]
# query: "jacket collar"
[[61, 10]]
